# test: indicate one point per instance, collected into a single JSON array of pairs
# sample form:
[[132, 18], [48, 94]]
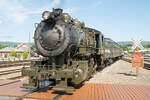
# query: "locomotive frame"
[[86, 51]]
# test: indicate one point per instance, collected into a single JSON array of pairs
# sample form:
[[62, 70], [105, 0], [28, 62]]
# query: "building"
[[24, 46], [19, 50]]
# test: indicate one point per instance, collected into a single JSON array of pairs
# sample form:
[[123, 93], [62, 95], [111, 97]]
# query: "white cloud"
[[55, 3], [75, 9], [45, 7], [18, 17], [0, 21], [71, 10], [14, 10]]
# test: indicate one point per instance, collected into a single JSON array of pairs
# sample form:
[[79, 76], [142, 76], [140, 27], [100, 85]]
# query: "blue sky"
[[120, 20]]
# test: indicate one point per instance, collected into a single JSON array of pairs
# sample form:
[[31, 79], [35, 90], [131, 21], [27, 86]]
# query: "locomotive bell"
[[67, 18]]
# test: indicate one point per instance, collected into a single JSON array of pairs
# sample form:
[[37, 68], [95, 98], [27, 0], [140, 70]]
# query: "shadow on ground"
[[127, 74]]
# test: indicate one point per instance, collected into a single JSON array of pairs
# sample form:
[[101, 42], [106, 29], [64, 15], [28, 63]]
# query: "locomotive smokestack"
[[57, 12]]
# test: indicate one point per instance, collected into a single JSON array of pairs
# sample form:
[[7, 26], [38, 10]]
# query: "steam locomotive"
[[72, 52]]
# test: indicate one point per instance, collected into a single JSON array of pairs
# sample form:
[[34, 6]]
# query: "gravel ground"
[[121, 72]]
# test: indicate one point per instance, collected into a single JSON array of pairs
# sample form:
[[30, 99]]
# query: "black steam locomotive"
[[72, 52]]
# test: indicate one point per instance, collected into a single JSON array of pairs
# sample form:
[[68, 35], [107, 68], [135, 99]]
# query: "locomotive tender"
[[72, 52]]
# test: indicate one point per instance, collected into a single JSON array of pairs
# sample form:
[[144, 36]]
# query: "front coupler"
[[37, 75]]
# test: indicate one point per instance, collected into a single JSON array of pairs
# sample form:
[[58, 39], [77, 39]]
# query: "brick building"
[[20, 49], [24, 46]]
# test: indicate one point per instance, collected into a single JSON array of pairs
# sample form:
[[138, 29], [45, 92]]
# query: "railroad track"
[[15, 63], [17, 77], [9, 71], [146, 62], [10, 67]]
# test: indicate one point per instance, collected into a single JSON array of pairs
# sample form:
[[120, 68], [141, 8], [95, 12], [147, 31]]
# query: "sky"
[[120, 20]]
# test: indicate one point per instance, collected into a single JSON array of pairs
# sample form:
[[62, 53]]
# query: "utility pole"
[[29, 46], [29, 38]]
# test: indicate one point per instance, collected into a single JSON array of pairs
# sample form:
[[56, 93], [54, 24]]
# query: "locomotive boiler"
[[54, 35], [71, 51]]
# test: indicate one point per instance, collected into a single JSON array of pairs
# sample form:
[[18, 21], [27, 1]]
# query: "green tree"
[[147, 52], [125, 48], [147, 46], [25, 55], [2, 46], [13, 53], [18, 55], [34, 47], [5, 56]]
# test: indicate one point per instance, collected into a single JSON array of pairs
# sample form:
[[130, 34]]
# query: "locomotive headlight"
[[46, 15]]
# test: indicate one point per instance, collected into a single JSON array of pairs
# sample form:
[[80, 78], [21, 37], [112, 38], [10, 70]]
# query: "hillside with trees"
[[2, 46]]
